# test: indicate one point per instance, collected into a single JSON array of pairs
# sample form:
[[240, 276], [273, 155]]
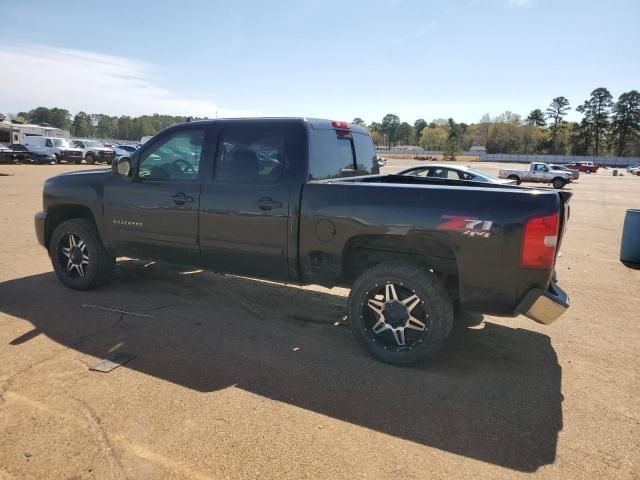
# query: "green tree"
[[556, 111], [418, 126], [82, 126], [405, 133], [596, 111], [434, 138], [39, 115], [452, 145], [359, 121], [626, 120], [60, 118], [536, 118], [390, 124]]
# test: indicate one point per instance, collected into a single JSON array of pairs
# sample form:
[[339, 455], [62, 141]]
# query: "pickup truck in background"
[[575, 174], [586, 167], [94, 151], [298, 201], [538, 172]]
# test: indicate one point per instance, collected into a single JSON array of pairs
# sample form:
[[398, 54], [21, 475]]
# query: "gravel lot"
[[236, 378]]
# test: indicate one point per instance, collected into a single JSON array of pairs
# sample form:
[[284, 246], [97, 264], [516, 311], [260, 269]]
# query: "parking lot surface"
[[238, 378]]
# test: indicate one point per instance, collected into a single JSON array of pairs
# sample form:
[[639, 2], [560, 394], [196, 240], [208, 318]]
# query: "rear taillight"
[[539, 242]]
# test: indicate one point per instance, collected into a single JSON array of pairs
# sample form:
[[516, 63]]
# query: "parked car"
[[537, 172], [575, 174], [21, 153], [278, 199], [60, 147], [586, 167], [128, 148], [634, 170], [94, 151], [454, 172]]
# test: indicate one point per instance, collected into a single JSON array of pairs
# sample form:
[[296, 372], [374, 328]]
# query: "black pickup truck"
[[302, 201]]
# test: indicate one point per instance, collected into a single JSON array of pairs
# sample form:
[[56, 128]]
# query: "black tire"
[[433, 309], [638, 174], [100, 264], [516, 178], [558, 182], [90, 159], [588, 172]]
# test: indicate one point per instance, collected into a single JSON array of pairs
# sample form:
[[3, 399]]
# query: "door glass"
[[250, 154], [177, 157]]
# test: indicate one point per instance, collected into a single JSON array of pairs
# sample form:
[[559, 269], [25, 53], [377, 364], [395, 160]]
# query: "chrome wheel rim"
[[395, 316], [74, 255]]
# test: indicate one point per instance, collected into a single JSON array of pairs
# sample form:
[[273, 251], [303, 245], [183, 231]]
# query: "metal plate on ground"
[[112, 361]]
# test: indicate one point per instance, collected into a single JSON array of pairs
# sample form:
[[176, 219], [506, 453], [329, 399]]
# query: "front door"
[[244, 216], [155, 216]]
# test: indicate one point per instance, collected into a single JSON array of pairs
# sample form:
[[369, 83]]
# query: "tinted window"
[[366, 157], [49, 143], [176, 157], [250, 154], [331, 154]]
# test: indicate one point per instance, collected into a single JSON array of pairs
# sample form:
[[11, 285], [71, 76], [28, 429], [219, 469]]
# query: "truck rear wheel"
[[400, 313], [78, 256], [558, 182], [516, 178], [587, 171]]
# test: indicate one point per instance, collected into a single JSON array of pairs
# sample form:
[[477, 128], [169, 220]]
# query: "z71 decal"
[[470, 226]]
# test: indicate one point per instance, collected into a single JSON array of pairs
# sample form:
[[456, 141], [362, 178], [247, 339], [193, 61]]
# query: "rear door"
[[244, 213]]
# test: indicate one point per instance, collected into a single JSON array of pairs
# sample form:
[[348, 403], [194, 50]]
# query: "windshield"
[[481, 174], [93, 143], [60, 142]]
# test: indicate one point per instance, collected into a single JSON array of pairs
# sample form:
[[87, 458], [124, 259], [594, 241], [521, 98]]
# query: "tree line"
[[606, 128], [91, 125]]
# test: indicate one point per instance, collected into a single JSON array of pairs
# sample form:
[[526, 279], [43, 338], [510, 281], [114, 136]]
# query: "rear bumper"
[[40, 221], [544, 306]]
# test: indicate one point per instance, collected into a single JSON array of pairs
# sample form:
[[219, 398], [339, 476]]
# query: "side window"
[[331, 154], [366, 158], [465, 176], [452, 175], [176, 157], [438, 172], [49, 143], [250, 154]]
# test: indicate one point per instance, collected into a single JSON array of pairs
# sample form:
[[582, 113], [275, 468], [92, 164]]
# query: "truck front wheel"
[[400, 313], [78, 256], [89, 159], [558, 183]]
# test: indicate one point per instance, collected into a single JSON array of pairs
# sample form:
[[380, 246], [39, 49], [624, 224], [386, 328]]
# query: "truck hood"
[[80, 175]]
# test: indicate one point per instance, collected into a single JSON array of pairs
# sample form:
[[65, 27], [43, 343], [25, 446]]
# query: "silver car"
[[454, 172]]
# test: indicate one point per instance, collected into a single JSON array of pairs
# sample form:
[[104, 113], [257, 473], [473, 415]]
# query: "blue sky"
[[428, 59]]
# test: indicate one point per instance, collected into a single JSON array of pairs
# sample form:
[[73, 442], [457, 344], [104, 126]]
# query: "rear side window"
[[366, 157], [250, 154], [340, 153]]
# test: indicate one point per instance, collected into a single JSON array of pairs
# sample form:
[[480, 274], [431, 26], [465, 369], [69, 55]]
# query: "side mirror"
[[121, 166]]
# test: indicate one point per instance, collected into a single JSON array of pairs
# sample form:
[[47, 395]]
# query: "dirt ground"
[[242, 379]]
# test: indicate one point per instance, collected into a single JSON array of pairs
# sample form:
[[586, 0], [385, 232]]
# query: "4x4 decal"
[[470, 226]]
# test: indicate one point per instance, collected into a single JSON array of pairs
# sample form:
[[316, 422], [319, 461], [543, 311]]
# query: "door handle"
[[181, 198], [267, 203]]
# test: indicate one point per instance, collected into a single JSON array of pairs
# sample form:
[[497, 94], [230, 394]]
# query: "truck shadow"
[[494, 395]]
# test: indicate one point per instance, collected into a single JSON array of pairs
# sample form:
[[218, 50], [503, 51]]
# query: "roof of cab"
[[313, 123]]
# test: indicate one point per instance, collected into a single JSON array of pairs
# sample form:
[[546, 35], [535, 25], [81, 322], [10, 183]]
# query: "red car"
[[586, 167]]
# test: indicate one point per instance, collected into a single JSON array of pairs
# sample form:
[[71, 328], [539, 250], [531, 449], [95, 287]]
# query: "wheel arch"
[[430, 251], [61, 213]]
